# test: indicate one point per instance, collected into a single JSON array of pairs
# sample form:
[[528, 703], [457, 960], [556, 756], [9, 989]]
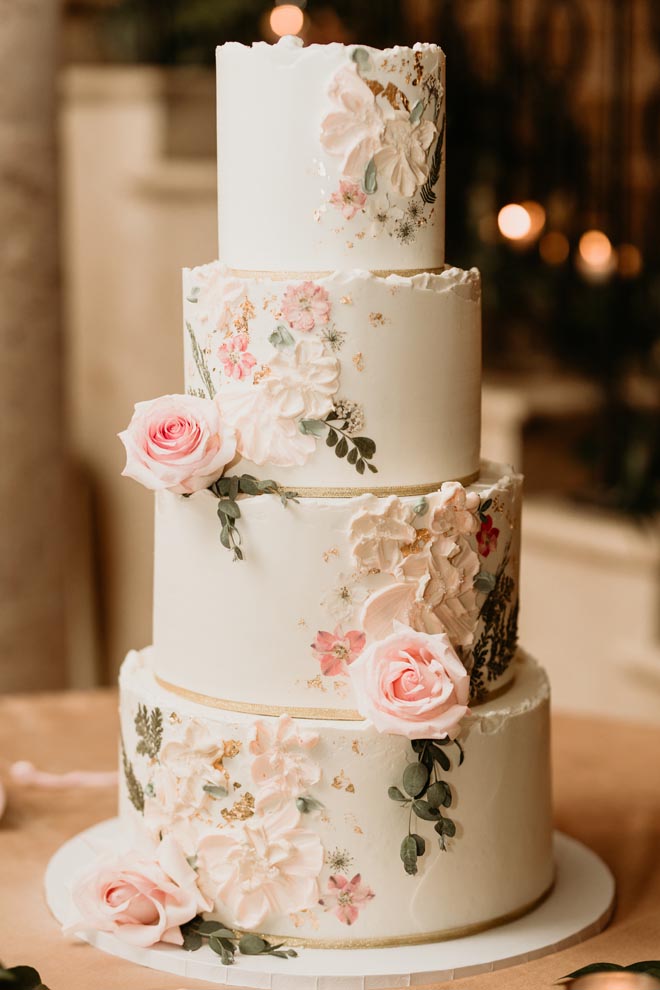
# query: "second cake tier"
[[346, 380], [322, 580]]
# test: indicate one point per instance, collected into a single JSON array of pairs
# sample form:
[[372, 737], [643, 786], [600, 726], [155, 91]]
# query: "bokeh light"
[[596, 257], [286, 19], [536, 218], [514, 222]]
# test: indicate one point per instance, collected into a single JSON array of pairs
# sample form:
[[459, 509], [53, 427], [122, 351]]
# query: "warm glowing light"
[[286, 19], [595, 249], [630, 260], [514, 222], [536, 218], [554, 248]]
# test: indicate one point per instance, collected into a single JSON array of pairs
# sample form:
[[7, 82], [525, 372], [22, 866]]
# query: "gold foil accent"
[[358, 361], [241, 810], [376, 319], [422, 538], [382, 491], [324, 714], [287, 276], [393, 941], [342, 783]]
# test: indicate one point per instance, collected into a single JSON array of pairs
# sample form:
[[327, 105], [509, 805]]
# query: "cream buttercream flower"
[[402, 158]]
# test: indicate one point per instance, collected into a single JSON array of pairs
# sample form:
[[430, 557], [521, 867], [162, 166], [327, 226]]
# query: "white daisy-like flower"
[[344, 597]]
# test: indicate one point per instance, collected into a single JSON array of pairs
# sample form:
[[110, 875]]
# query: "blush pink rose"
[[142, 901], [412, 684], [306, 305], [177, 442]]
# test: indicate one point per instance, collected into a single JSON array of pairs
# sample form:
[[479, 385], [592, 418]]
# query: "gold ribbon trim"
[[245, 708], [382, 491], [395, 941], [285, 276], [321, 714]]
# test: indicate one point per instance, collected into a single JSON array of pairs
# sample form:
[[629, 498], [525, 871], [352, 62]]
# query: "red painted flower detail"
[[336, 650], [487, 537]]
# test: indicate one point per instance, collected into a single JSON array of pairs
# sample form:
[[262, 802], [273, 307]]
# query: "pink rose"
[[412, 684], [306, 305], [177, 442], [141, 901]]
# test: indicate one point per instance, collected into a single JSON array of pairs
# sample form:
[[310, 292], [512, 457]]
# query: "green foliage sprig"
[[149, 727], [425, 796], [358, 451], [21, 978], [200, 362], [226, 943], [427, 192], [133, 785], [227, 490], [650, 967], [494, 650]]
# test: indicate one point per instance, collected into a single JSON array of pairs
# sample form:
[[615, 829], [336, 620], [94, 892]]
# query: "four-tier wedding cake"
[[334, 729]]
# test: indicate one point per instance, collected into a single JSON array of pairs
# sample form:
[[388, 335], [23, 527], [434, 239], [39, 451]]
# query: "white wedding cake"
[[334, 725]]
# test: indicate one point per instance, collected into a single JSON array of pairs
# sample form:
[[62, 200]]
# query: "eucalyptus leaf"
[[252, 945], [307, 804], [332, 438], [352, 455], [312, 427], [234, 487], [361, 57], [215, 790], [192, 941], [21, 978], [342, 447], [409, 855], [441, 757], [415, 779], [416, 112], [224, 537], [359, 467], [421, 507], [445, 826], [395, 794], [248, 485], [281, 338], [485, 582], [370, 182], [439, 794], [424, 811], [485, 506], [420, 842], [230, 508], [372, 468]]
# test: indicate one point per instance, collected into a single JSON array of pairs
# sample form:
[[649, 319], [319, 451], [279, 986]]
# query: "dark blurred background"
[[553, 191]]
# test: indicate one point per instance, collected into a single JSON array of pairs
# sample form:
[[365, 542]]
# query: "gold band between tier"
[[245, 708], [381, 491], [395, 941], [322, 714], [282, 276]]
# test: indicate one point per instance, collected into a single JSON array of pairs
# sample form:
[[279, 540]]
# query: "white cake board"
[[579, 906]]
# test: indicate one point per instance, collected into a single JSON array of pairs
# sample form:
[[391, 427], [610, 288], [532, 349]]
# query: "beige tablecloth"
[[607, 794]]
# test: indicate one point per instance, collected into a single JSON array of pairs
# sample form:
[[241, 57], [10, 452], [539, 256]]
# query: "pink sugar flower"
[[487, 537], [305, 305], [346, 897], [349, 198], [336, 650], [236, 359]]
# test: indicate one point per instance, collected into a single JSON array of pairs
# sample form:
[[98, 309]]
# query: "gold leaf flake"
[[301, 624], [360, 235], [376, 319], [340, 688], [358, 361], [422, 538], [350, 245], [317, 682], [332, 552], [342, 783], [262, 373], [242, 809], [346, 300], [175, 719], [355, 746]]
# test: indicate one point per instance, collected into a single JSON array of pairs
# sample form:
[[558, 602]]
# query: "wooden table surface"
[[607, 794]]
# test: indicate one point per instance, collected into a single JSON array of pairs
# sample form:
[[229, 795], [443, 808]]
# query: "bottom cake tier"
[[307, 830]]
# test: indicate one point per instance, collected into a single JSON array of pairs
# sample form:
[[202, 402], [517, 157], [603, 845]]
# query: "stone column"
[[32, 510]]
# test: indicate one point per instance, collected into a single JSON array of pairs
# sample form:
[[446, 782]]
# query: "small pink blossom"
[[346, 897], [236, 359], [305, 305], [349, 198], [336, 650], [487, 537]]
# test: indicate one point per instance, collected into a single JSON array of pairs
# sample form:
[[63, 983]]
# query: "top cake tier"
[[330, 157]]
